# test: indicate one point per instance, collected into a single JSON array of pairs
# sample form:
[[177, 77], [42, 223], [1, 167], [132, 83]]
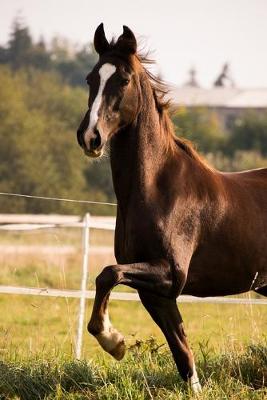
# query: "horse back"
[[249, 188], [245, 222]]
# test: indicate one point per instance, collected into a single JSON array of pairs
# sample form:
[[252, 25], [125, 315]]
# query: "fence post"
[[79, 339]]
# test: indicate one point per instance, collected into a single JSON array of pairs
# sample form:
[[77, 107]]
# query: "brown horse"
[[182, 226]]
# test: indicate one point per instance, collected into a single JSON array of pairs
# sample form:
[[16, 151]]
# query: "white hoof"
[[194, 382], [112, 342], [196, 387]]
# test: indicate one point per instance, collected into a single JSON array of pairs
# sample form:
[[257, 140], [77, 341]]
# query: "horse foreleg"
[[157, 277], [165, 313], [99, 325]]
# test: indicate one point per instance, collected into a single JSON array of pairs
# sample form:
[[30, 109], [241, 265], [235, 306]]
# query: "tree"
[[72, 62], [19, 45], [249, 133], [200, 126], [40, 57], [74, 69], [39, 151]]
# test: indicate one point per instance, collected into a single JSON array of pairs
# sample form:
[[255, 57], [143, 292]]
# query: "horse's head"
[[113, 86]]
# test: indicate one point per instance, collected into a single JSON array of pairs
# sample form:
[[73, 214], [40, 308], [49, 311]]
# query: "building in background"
[[227, 100]]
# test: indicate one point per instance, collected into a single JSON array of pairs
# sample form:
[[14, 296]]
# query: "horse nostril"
[[96, 142]]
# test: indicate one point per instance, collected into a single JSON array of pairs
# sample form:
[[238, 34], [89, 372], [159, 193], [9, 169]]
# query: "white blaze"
[[105, 72]]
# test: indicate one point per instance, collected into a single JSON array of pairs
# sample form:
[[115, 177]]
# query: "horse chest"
[[138, 239]]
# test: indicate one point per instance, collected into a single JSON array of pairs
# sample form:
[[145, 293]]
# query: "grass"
[[37, 336], [54, 269], [30, 325], [56, 236], [147, 372]]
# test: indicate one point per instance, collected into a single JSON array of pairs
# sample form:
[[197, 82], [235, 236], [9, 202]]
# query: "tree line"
[[60, 56], [43, 98]]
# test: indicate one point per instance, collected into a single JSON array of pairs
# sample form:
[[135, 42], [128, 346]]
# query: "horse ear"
[[100, 42], [127, 41]]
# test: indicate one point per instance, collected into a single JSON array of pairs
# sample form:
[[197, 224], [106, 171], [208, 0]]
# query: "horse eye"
[[125, 81]]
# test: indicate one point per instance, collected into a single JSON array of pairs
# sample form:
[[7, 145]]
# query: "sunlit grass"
[[30, 324], [56, 236]]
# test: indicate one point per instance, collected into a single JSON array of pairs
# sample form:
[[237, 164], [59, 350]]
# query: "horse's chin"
[[94, 153]]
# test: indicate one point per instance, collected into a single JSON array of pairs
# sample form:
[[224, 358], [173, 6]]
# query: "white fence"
[[26, 222]]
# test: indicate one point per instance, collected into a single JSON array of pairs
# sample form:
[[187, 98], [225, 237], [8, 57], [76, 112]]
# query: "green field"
[[37, 336]]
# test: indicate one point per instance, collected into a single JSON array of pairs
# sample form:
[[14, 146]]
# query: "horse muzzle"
[[91, 142]]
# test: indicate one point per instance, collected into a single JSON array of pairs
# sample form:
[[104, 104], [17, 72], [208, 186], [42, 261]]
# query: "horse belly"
[[216, 271]]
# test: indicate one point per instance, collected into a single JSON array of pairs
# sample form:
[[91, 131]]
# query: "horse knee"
[[107, 278]]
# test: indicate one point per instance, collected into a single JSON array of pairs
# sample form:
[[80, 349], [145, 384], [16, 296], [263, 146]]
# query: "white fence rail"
[[126, 296], [31, 222]]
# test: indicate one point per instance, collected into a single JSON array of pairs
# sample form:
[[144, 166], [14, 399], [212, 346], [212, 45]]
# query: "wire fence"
[[27, 223], [28, 196]]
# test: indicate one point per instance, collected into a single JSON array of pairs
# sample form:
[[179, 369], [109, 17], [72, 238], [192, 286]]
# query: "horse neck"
[[137, 152]]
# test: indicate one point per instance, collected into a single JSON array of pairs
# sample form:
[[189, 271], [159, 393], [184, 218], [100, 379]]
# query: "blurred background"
[[210, 52]]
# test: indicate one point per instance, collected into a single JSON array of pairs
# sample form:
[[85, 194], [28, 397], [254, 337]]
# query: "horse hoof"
[[196, 388], [119, 351], [112, 342]]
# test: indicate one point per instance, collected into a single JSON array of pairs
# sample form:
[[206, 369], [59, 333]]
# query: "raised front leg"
[[156, 277], [158, 284]]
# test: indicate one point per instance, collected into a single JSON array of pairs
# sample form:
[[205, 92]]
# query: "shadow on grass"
[[37, 380]]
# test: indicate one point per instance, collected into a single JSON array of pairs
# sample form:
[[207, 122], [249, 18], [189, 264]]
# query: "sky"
[[202, 34]]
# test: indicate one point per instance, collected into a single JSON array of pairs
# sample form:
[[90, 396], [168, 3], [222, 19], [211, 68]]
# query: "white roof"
[[219, 97]]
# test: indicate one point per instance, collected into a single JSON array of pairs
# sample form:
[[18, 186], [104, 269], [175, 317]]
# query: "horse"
[[182, 226]]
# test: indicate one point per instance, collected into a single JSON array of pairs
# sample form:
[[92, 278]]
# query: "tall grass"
[[147, 372]]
